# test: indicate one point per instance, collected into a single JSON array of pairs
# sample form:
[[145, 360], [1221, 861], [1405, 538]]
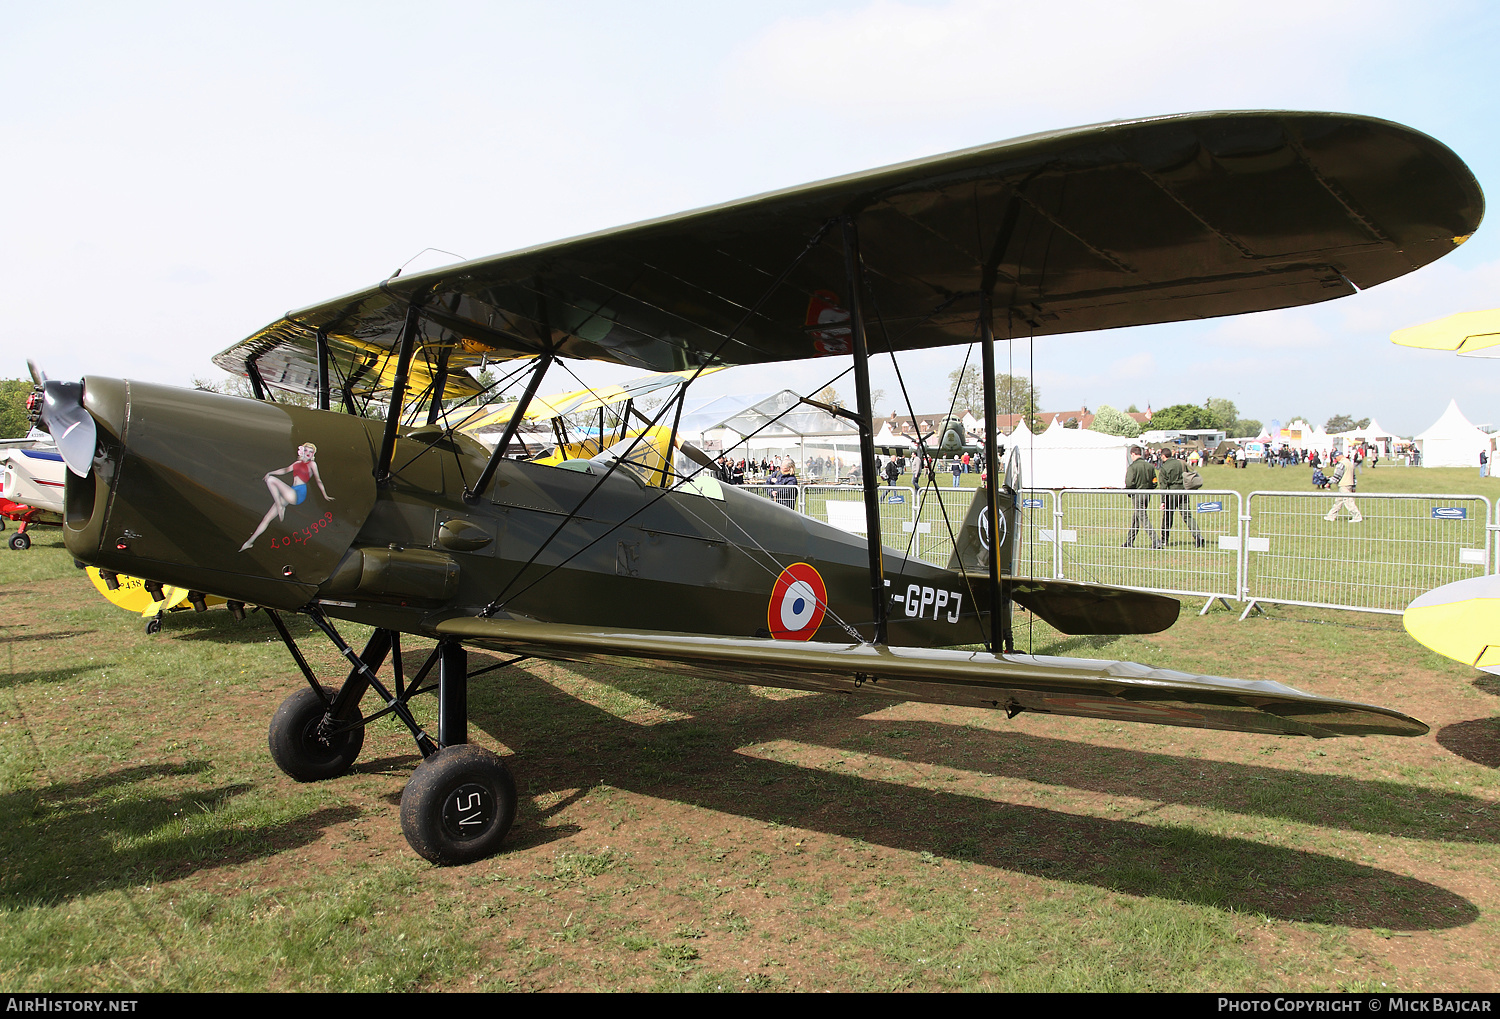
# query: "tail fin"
[[971, 547]]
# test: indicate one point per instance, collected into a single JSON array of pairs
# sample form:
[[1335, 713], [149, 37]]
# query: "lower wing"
[[1123, 691]]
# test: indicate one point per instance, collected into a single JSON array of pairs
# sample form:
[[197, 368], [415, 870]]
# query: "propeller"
[[697, 455], [63, 415]]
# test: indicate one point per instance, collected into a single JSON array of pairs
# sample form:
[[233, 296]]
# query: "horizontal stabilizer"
[[1123, 691], [1074, 608]]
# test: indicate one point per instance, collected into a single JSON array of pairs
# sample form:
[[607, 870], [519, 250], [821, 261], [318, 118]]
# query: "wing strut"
[[256, 385], [1001, 637], [516, 417], [438, 385], [854, 273], [398, 393], [325, 394], [1000, 632]]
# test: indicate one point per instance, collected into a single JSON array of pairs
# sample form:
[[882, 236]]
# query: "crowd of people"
[[1360, 453], [783, 470]]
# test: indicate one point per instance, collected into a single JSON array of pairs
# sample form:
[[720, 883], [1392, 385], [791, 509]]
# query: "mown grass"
[[681, 835]]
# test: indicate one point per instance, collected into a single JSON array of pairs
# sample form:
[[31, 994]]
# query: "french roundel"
[[798, 602]]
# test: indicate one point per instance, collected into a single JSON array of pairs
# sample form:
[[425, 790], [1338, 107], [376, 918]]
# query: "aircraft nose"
[[72, 426], [250, 500], [103, 402]]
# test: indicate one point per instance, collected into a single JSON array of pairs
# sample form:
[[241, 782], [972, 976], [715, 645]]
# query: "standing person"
[[1484, 463], [1170, 476], [957, 468], [1343, 478], [1139, 477]]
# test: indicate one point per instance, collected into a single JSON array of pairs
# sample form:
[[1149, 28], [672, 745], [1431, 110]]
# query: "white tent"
[[1071, 458], [891, 440], [1377, 436], [1452, 441], [1301, 435], [775, 424]]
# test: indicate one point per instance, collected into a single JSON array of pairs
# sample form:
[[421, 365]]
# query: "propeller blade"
[[697, 455], [72, 426]]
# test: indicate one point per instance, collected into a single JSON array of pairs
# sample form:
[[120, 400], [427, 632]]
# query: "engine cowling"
[[245, 499]]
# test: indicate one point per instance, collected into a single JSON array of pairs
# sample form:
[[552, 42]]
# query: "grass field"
[[682, 835]]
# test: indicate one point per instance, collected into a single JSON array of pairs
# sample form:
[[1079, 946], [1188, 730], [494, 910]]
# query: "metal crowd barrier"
[[1179, 542], [1268, 548], [1401, 546], [789, 496], [843, 506]]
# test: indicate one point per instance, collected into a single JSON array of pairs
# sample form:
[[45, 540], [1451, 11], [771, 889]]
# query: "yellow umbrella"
[[1460, 620], [1467, 331]]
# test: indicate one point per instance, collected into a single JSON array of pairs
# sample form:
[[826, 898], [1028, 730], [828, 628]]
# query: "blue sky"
[[178, 175]]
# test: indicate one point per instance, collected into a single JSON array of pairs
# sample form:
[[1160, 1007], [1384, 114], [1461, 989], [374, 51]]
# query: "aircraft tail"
[[971, 546], [1068, 606]]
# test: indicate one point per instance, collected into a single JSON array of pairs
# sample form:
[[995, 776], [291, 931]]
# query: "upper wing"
[[1064, 686], [1120, 224], [576, 401]]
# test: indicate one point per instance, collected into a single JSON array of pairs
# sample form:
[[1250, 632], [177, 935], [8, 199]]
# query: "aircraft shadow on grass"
[[54, 677], [569, 745], [1477, 740], [65, 837], [10, 636]]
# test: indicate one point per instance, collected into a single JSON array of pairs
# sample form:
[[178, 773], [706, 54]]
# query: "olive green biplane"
[[405, 523]]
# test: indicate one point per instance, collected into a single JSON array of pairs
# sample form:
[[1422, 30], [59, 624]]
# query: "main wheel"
[[458, 806], [20, 541], [300, 746]]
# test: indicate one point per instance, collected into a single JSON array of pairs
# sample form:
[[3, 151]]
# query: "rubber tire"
[[153, 625], [444, 783], [294, 742], [20, 541]]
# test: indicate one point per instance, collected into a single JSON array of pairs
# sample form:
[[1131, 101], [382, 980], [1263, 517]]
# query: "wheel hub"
[[468, 811]]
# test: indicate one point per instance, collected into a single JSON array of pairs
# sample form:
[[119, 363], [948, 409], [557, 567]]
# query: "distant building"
[[1204, 436]]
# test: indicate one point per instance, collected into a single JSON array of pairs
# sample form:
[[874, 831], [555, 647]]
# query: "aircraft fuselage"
[[184, 479]]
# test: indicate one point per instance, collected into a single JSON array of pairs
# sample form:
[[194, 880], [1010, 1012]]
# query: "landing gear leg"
[[460, 801], [317, 733]]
